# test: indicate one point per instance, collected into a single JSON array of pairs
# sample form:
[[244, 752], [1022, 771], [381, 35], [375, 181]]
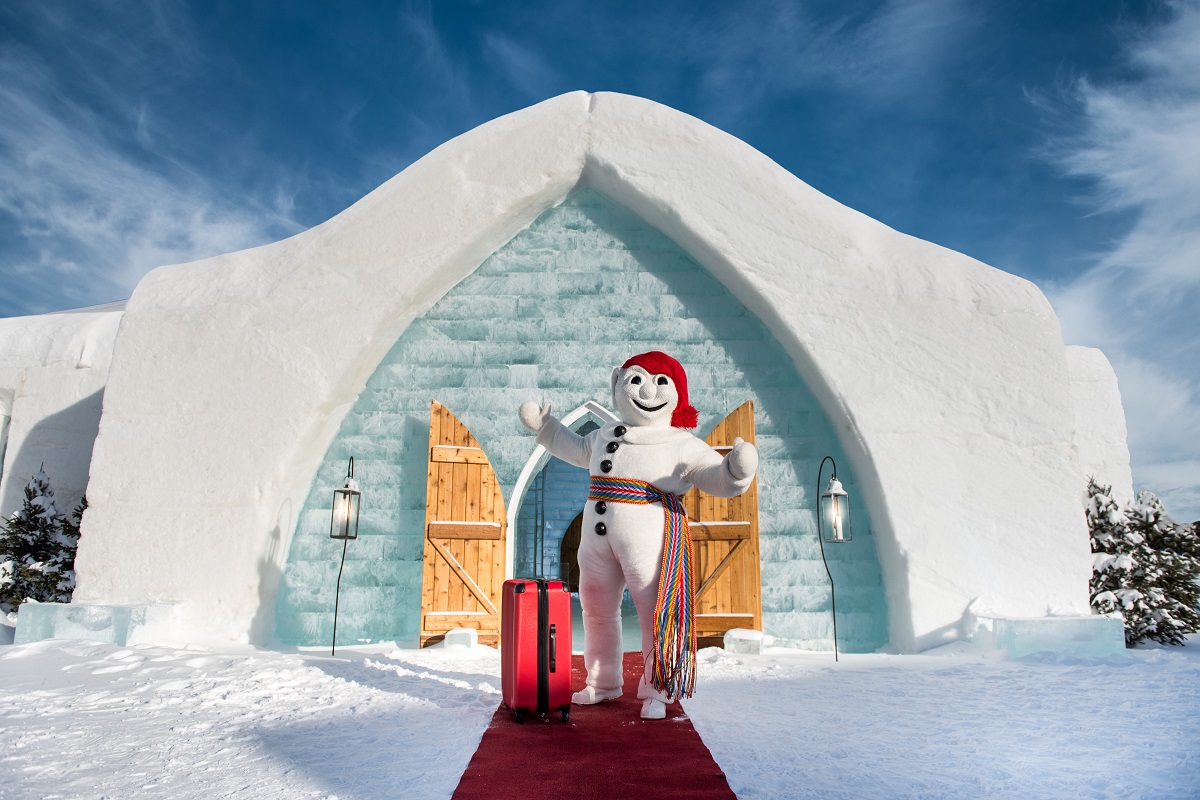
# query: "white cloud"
[[442, 71], [1140, 144], [525, 69], [895, 55], [91, 206]]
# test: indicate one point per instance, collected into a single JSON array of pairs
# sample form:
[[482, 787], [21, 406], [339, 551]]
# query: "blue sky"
[[1059, 141]]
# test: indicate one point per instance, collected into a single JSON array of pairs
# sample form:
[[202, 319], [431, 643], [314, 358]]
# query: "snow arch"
[[938, 371], [546, 317]]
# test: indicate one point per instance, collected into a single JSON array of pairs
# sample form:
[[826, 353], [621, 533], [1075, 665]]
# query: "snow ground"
[[956, 724], [87, 720]]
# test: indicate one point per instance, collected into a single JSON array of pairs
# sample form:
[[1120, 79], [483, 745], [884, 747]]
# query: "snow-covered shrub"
[[1112, 547], [1145, 567], [37, 549]]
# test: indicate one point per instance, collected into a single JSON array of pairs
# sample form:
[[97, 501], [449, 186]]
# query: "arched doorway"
[[522, 328], [545, 517]]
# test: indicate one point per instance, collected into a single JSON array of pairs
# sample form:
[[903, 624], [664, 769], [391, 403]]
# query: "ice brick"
[[113, 624], [1091, 636]]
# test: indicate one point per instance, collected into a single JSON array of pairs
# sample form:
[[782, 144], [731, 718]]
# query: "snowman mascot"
[[635, 530]]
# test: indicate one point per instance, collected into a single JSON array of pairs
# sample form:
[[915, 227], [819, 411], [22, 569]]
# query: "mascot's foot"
[[590, 695], [653, 709]]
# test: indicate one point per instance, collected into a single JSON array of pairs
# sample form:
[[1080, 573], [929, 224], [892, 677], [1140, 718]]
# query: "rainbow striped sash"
[[673, 670]]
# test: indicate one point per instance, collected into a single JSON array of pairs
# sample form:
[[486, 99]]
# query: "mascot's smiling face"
[[643, 398]]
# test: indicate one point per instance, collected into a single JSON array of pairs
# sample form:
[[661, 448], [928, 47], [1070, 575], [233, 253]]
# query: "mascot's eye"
[[635, 380], [662, 380]]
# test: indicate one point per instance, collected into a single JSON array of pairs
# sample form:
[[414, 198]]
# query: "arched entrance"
[[534, 322], [547, 496], [545, 517]]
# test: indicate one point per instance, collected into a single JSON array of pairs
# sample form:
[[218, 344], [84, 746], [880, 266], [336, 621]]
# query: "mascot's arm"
[[721, 477], [561, 441]]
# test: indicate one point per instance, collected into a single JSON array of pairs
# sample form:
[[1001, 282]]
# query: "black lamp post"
[[833, 525], [344, 526]]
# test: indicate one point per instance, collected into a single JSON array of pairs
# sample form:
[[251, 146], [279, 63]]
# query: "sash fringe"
[[673, 667]]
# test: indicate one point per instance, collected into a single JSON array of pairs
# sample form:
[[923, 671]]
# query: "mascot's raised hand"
[[533, 417], [742, 459], [640, 469]]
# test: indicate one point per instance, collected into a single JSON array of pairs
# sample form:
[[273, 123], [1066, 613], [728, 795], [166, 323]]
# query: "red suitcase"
[[535, 647]]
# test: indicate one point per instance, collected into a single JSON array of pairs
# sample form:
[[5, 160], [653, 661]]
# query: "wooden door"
[[728, 587], [465, 529]]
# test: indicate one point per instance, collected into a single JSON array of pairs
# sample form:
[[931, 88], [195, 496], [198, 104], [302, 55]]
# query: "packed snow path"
[[84, 720]]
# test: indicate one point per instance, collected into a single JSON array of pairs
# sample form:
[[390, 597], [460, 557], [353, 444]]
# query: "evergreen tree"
[[1168, 575], [1113, 544], [37, 549], [1145, 567]]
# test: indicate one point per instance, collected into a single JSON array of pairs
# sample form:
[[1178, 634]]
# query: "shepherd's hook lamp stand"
[[344, 526], [833, 509]]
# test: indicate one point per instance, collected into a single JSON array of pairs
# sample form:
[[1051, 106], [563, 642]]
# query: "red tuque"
[[657, 362]]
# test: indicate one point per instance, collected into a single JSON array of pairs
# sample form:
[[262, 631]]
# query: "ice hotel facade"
[[211, 417]]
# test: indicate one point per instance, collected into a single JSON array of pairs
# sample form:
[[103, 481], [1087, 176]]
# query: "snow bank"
[[946, 379]]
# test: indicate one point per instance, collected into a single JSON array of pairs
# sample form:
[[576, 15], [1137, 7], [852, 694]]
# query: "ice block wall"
[[546, 317]]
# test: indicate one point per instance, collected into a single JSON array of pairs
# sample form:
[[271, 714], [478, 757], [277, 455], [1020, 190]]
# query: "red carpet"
[[605, 752]]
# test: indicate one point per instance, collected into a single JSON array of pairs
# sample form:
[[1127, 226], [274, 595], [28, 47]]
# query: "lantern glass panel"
[[344, 524], [835, 516]]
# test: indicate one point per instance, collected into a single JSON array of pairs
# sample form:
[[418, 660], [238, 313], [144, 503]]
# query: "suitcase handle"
[[553, 648]]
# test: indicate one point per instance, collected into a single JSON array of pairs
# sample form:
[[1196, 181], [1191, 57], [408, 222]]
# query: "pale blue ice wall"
[[546, 317]]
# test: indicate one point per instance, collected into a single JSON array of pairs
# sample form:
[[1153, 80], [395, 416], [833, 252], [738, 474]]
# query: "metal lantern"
[[833, 525], [835, 511], [344, 526]]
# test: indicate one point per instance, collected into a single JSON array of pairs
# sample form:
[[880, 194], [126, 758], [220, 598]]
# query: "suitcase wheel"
[[520, 712], [566, 715]]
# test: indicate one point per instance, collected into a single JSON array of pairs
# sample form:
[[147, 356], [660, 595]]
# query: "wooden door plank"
[[491, 576], [474, 506], [454, 529], [442, 572], [455, 454], [459, 596], [720, 530], [428, 572], [466, 579], [752, 560], [471, 513], [719, 623], [440, 622], [715, 575]]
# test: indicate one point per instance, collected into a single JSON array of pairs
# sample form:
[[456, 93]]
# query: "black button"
[[619, 430], [601, 529], [601, 507], [606, 466], [612, 447]]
